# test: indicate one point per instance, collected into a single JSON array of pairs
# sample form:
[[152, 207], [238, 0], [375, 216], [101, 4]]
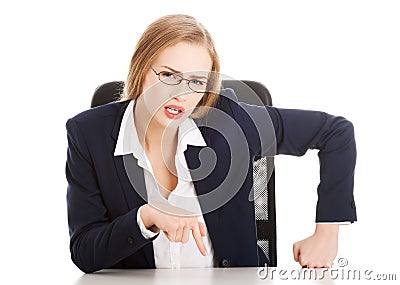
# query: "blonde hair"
[[162, 33]]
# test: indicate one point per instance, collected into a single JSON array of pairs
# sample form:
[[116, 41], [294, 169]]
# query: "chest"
[[165, 173]]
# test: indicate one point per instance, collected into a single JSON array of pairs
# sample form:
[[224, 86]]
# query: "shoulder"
[[101, 112], [100, 115], [226, 97]]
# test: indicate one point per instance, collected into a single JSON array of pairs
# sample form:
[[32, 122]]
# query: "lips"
[[173, 111]]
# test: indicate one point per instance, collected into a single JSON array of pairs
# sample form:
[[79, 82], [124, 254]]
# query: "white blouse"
[[168, 254]]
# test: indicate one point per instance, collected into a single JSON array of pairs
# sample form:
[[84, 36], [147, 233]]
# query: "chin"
[[166, 122]]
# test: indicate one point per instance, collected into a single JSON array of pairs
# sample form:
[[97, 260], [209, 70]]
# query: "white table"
[[237, 275]]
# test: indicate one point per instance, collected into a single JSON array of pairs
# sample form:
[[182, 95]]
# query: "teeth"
[[173, 111]]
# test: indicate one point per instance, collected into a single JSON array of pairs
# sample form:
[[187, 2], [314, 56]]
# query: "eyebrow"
[[180, 72], [170, 68]]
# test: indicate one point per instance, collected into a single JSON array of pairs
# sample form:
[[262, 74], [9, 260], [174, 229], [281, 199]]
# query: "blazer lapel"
[[131, 176], [202, 187], [133, 186], [129, 172]]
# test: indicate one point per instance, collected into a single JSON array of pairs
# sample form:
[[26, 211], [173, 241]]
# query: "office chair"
[[263, 167]]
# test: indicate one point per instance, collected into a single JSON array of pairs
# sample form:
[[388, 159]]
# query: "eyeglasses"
[[171, 78]]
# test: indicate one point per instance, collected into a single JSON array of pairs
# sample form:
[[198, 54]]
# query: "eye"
[[167, 74], [198, 82]]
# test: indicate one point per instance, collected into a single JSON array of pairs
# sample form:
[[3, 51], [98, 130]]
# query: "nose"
[[180, 91]]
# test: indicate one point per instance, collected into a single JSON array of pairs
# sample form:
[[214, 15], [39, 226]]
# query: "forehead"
[[185, 57]]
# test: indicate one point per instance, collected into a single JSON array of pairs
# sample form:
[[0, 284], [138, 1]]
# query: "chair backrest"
[[107, 93], [263, 167], [263, 172]]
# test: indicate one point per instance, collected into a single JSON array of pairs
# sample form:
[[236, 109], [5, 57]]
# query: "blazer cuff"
[[145, 232]]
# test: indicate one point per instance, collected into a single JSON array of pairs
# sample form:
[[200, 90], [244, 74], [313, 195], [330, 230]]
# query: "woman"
[[155, 180]]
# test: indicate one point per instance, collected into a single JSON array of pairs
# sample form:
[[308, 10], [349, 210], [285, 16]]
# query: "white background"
[[341, 57]]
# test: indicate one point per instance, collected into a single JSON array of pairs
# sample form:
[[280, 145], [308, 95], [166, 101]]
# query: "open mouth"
[[173, 111]]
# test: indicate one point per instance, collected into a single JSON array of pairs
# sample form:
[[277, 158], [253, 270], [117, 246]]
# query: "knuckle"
[[194, 221], [185, 223], [173, 226], [303, 261], [327, 264], [193, 225]]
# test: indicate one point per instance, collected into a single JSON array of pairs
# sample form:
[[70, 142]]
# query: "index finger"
[[199, 241]]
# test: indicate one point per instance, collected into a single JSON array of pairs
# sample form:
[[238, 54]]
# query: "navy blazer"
[[102, 202]]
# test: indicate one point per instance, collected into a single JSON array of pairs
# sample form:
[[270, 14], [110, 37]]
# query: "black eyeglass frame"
[[180, 80]]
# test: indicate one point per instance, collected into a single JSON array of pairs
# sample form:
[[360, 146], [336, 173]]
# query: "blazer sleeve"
[[96, 242], [296, 131]]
